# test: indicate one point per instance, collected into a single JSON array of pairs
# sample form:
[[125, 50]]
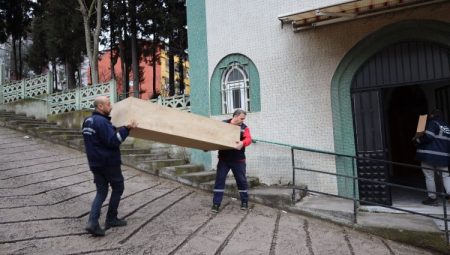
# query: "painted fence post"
[[78, 98], [2, 81], [23, 89], [49, 82], [113, 91]]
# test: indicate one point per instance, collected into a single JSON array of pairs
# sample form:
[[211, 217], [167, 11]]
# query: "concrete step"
[[136, 158], [26, 121], [230, 185], [31, 127], [25, 125], [154, 166], [175, 172], [3, 112], [196, 178], [15, 118], [78, 143], [133, 151], [58, 132], [158, 148], [277, 197], [42, 129]]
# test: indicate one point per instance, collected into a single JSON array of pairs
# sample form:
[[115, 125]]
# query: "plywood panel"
[[167, 125]]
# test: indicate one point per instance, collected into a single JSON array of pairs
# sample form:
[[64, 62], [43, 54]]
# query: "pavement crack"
[[37, 164], [15, 152], [34, 220], [149, 202], [43, 171], [52, 204], [275, 234], [212, 216], [153, 217], [227, 240], [22, 159], [347, 240], [39, 182], [43, 237], [388, 247], [94, 251], [45, 191], [308, 237]]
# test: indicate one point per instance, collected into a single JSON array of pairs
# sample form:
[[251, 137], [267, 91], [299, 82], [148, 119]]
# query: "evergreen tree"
[[16, 25], [65, 40]]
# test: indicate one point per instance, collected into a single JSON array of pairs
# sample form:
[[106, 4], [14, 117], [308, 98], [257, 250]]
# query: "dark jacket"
[[434, 146], [233, 154], [102, 140]]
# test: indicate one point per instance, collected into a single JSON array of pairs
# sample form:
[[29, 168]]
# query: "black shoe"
[[115, 223], [95, 229], [215, 208], [430, 201], [244, 206]]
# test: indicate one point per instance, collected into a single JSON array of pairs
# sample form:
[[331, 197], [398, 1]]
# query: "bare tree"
[[92, 35]]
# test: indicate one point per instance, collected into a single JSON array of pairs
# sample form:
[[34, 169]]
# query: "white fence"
[[71, 100]]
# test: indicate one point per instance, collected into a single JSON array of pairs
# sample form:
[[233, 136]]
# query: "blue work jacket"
[[434, 146], [102, 140]]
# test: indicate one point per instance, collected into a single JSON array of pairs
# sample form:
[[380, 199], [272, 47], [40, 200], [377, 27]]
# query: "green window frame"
[[218, 85]]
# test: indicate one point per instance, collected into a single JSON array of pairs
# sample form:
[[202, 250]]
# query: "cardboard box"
[[421, 124], [166, 125]]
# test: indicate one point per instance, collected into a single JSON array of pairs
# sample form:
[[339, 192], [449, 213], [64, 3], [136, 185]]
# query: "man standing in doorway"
[[233, 159], [102, 143], [433, 150]]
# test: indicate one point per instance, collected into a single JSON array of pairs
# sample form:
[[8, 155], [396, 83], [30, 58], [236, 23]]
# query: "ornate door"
[[370, 144]]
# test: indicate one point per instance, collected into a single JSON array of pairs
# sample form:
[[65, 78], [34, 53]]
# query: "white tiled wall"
[[295, 74]]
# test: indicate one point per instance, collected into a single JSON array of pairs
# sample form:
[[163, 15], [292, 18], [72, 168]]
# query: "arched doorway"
[[400, 69], [352, 86]]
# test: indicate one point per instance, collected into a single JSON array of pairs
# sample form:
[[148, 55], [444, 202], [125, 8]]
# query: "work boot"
[[244, 206], [430, 201], [115, 223], [95, 229], [215, 208]]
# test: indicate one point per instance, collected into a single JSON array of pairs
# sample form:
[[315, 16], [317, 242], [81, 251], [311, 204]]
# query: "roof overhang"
[[348, 10]]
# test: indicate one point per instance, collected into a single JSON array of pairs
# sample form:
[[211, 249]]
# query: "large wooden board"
[[421, 123], [167, 125]]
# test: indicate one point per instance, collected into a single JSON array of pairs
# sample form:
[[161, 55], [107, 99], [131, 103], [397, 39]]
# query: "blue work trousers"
[[104, 176], [238, 168]]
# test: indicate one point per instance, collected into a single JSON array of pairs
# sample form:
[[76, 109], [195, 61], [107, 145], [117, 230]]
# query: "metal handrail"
[[354, 177]]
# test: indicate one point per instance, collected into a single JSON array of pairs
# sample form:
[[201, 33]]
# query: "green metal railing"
[[355, 179]]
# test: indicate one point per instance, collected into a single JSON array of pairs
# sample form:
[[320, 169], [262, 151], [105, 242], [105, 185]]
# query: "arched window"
[[235, 89], [235, 84]]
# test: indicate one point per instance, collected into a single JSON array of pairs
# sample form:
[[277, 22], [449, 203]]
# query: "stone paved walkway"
[[46, 191]]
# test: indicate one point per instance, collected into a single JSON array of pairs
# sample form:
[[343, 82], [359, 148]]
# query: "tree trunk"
[[154, 63], [70, 74], [134, 48], [181, 74], [112, 59], [20, 60], [55, 77], [15, 58], [171, 74], [92, 39]]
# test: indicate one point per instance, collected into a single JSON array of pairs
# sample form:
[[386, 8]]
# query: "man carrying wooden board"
[[233, 159], [433, 150], [102, 142]]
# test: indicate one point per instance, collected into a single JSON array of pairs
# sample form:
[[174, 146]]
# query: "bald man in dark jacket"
[[102, 143]]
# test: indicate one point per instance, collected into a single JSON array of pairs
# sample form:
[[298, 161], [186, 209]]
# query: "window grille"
[[235, 88]]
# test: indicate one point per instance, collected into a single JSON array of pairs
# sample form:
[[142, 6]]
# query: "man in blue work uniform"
[[233, 159], [102, 142], [433, 150]]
